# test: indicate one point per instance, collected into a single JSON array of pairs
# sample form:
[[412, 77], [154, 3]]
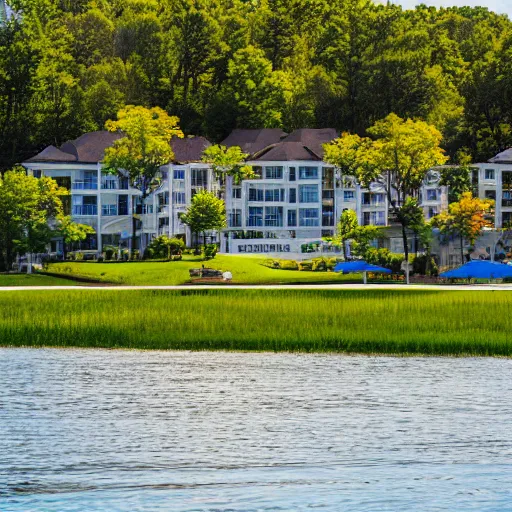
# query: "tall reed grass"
[[387, 322]]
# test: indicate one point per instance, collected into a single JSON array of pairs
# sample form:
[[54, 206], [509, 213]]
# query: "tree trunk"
[[406, 246], [204, 241], [344, 245], [134, 235]]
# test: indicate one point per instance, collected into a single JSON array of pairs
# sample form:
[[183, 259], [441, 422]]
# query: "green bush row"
[[314, 265]]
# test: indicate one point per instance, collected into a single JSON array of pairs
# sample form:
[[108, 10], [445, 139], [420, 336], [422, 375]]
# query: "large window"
[[308, 173], [237, 193], [178, 197], [179, 174], [255, 194], [292, 218], [255, 216], [372, 199], [274, 173], [432, 194], [122, 202], [293, 174], [374, 219], [235, 218], [200, 177], [85, 205], [349, 195], [489, 174], [328, 216], [309, 217], [308, 193], [292, 195], [273, 216], [269, 194]]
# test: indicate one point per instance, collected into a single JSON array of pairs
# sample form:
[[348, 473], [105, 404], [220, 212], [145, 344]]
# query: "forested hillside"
[[66, 66]]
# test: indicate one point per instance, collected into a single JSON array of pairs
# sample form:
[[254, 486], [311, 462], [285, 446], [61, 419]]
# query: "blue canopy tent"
[[355, 267], [478, 269]]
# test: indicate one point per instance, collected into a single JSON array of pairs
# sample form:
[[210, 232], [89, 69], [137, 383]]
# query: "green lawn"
[[245, 270], [372, 322], [33, 280]]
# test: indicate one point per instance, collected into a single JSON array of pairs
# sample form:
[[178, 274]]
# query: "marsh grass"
[[387, 322]]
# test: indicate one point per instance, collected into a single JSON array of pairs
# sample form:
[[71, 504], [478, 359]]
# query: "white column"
[[170, 206], [98, 232]]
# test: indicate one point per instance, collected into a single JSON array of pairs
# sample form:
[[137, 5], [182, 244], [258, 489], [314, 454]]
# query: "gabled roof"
[[505, 157], [189, 149], [53, 154], [253, 141], [303, 144]]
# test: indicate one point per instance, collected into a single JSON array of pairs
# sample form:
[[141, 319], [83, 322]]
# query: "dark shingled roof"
[[253, 141], [189, 149], [53, 154], [303, 144], [89, 148], [505, 157]]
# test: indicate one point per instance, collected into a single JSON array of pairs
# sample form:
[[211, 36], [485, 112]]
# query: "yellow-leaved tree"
[[466, 219], [143, 148], [398, 156]]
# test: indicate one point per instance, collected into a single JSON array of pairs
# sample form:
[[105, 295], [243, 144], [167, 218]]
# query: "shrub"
[[79, 256], [163, 248], [109, 252], [419, 265], [384, 258], [271, 263], [288, 265], [71, 256], [305, 266], [135, 255], [210, 251]]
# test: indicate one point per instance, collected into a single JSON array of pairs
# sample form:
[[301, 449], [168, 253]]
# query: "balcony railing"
[[85, 210], [85, 185]]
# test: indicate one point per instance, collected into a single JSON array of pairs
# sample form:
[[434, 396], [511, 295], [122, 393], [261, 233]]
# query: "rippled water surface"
[[177, 431]]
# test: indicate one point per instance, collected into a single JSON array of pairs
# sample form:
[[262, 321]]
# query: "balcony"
[[506, 203], [86, 210], [85, 185]]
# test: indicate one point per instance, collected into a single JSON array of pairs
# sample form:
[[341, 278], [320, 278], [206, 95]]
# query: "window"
[[85, 205], [237, 193], [308, 193], [308, 173], [309, 217], [255, 216], [199, 177], [292, 194], [273, 195], [255, 194], [328, 178], [432, 194], [371, 199], [432, 211], [37, 173], [179, 174], [292, 218], [274, 173], [122, 203], [178, 197], [348, 195], [374, 219], [273, 216], [293, 175], [328, 216], [257, 172], [109, 210], [489, 174], [490, 194], [235, 218]]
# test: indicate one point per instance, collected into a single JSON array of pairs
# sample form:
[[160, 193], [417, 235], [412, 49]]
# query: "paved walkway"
[[402, 287]]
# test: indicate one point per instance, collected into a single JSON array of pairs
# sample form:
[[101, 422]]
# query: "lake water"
[[91, 430]]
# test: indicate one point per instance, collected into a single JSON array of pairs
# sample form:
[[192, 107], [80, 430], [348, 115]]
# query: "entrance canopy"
[[351, 267], [477, 269]]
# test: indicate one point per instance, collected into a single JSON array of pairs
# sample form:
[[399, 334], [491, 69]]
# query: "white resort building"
[[293, 203]]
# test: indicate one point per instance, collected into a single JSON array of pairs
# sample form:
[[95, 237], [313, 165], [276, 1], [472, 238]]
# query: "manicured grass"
[[33, 280], [387, 322], [245, 270]]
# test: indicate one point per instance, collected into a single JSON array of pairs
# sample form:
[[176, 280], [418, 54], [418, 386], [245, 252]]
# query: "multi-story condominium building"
[[295, 200]]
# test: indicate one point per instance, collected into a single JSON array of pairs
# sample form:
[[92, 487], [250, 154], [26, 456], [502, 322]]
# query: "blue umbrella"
[[478, 269], [351, 267]]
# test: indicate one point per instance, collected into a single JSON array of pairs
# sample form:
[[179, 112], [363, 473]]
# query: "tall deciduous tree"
[[143, 148], [206, 213], [466, 219], [346, 228], [398, 158]]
